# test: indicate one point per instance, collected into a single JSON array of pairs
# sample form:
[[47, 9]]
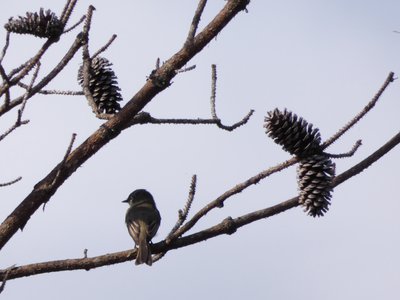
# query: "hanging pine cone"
[[314, 176], [103, 85], [44, 24], [294, 134]]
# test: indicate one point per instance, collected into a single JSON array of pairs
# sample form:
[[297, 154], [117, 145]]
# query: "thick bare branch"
[[361, 166]]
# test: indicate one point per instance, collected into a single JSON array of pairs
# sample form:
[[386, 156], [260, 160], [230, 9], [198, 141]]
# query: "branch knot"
[[229, 226]]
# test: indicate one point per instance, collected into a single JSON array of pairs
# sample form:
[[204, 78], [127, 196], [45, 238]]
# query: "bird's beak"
[[125, 201]]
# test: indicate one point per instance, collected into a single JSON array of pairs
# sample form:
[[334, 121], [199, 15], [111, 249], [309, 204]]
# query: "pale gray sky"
[[323, 60]]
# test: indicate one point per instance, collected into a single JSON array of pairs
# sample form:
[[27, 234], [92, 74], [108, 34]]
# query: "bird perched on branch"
[[142, 219]]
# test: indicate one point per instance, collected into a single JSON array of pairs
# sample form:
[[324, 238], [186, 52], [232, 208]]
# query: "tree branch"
[[67, 11], [27, 67], [227, 226], [51, 75], [5, 277], [44, 189], [75, 25], [19, 122], [195, 22], [11, 182], [360, 115], [105, 47]]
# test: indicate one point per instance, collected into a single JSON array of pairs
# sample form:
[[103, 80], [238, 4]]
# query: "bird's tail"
[[144, 253]]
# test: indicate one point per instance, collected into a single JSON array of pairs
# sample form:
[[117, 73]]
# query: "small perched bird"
[[142, 219]]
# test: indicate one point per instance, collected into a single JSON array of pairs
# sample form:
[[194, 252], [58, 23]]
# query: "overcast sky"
[[323, 60]]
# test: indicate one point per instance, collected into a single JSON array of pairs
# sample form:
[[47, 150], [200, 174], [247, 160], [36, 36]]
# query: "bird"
[[143, 220]]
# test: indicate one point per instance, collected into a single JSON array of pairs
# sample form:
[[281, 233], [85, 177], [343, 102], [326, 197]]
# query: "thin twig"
[[28, 90], [188, 205], [19, 122], [5, 277], [64, 93], [182, 215], [17, 69], [54, 92], [146, 118], [151, 120], [7, 83], [361, 114], [10, 182], [87, 61], [3, 74], [347, 154], [245, 119], [86, 66], [214, 115], [105, 47], [195, 23], [67, 153], [183, 70], [12, 128], [65, 8], [75, 25], [219, 202], [46, 79], [67, 11], [61, 164], [213, 91], [4, 51], [31, 64]]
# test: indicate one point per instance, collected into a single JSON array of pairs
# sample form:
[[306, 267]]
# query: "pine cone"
[[44, 24], [103, 85], [294, 134], [314, 177]]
